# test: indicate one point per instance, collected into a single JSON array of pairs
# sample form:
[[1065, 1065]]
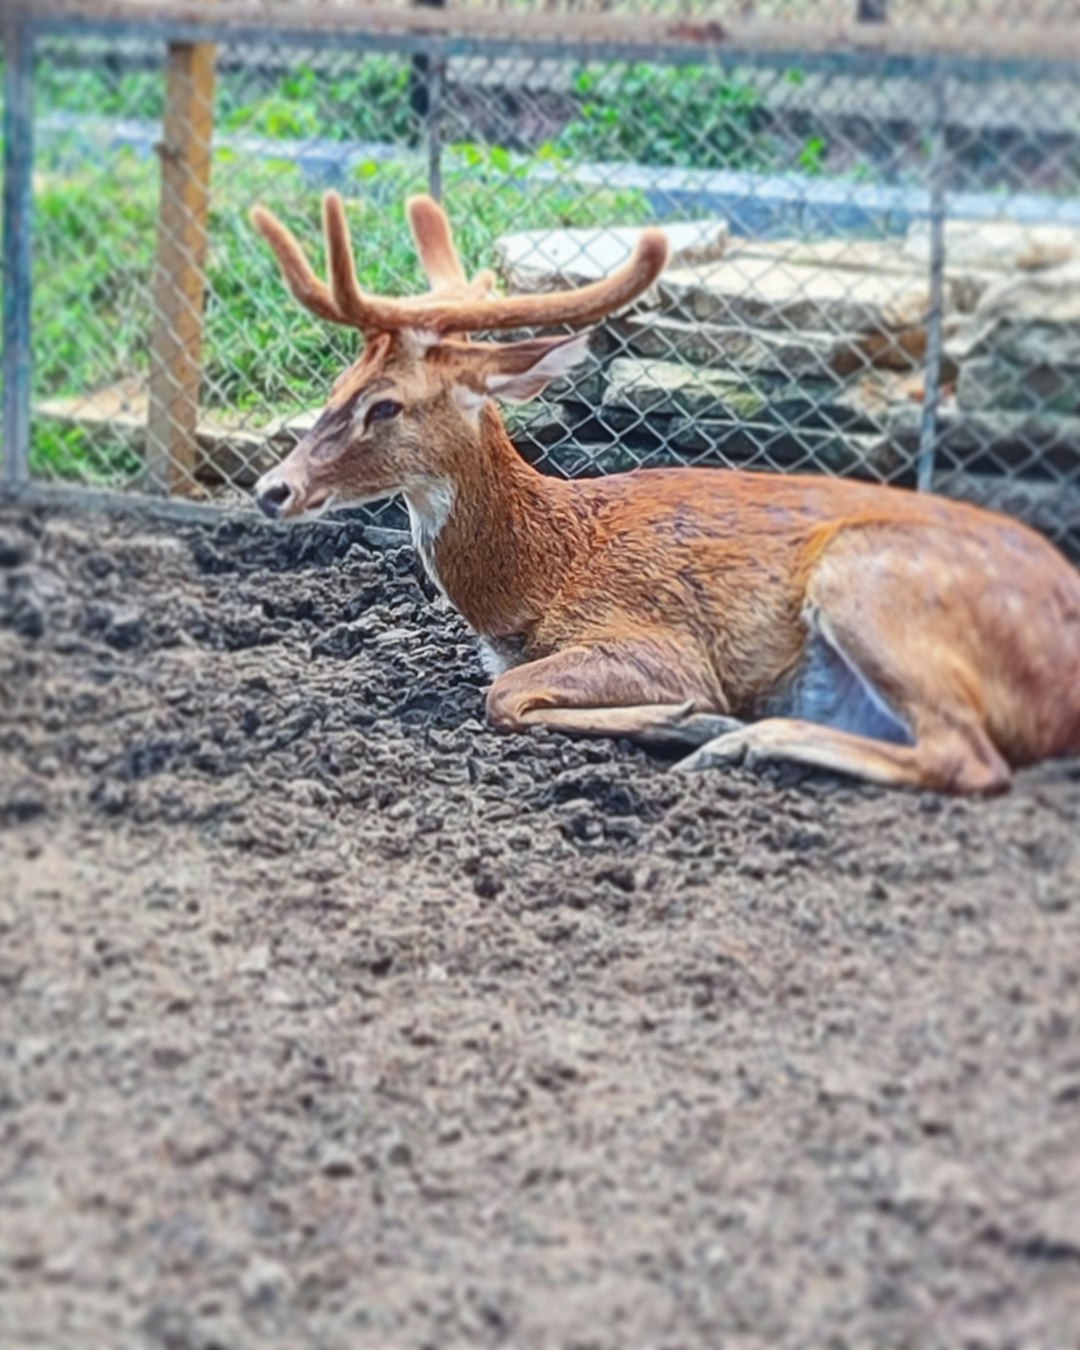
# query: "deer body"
[[896, 636]]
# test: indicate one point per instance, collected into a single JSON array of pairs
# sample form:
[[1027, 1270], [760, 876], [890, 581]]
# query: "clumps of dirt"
[[328, 1015]]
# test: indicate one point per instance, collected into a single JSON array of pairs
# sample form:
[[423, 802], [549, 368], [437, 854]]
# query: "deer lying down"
[[894, 636]]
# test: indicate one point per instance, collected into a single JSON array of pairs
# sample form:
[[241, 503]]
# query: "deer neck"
[[494, 535]]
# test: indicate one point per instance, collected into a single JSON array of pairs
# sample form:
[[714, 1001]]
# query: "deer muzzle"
[[285, 491]]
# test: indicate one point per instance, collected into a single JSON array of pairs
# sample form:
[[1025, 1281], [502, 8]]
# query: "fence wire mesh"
[[873, 272]]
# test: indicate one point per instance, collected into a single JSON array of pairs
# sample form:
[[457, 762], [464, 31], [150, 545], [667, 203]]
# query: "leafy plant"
[[812, 155], [370, 102], [686, 117]]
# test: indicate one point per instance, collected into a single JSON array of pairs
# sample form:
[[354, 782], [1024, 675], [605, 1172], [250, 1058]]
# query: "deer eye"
[[382, 411]]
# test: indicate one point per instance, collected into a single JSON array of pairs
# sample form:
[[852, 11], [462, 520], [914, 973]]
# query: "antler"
[[454, 305]]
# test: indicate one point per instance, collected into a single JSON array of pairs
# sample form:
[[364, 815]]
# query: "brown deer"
[[895, 636]]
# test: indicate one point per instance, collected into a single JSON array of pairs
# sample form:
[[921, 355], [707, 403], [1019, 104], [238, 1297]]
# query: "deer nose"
[[273, 499]]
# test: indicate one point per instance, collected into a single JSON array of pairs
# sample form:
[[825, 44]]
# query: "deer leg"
[[647, 691], [945, 758], [666, 724]]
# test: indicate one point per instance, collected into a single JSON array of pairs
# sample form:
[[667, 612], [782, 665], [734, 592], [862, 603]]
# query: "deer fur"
[[895, 636]]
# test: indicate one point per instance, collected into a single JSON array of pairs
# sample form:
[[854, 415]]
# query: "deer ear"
[[521, 370]]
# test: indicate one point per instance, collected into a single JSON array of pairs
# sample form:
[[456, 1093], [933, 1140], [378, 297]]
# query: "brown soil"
[[330, 1018]]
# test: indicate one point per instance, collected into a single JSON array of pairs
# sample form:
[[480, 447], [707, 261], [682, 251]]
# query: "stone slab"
[[996, 245], [995, 440], [993, 382], [1023, 344], [582, 458], [850, 255], [798, 353], [664, 388], [966, 280], [547, 260], [779, 294], [1049, 297], [726, 444], [1031, 320]]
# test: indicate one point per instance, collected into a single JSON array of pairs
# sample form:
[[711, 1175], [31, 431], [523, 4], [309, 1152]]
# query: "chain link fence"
[[875, 262]]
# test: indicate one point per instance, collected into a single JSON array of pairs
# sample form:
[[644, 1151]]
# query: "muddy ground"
[[330, 1018]]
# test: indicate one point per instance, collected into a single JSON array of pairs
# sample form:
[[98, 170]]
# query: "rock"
[[994, 441], [110, 796], [28, 618], [966, 280], [24, 802], [1051, 297], [852, 255], [663, 387], [720, 441], [1052, 1230], [996, 245], [1023, 353], [166, 1056], [585, 459], [798, 354], [925, 1180], [263, 1282], [13, 551], [1030, 321], [335, 1160], [125, 628], [541, 424], [994, 382], [117, 416], [776, 293], [547, 260], [1024, 344], [255, 961]]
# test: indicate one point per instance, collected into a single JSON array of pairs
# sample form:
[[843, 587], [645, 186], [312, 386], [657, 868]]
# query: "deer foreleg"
[[647, 691], [945, 758]]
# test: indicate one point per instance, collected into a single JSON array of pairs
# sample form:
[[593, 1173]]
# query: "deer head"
[[397, 417]]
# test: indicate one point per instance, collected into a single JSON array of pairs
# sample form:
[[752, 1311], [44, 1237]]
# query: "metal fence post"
[[18, 207], [435, 128], [939, 163], [425, 98]]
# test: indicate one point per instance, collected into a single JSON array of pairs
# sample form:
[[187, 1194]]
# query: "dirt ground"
[[330, 1018]]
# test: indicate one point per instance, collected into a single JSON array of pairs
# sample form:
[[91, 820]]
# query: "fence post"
[[939, 166], [425, 98], [18, 209], [179, 278], [434, 127]]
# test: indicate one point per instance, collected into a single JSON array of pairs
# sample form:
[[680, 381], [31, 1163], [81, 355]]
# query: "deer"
[[735, 617]]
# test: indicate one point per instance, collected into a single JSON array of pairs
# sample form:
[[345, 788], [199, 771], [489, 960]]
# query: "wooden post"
[[179, 279]]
